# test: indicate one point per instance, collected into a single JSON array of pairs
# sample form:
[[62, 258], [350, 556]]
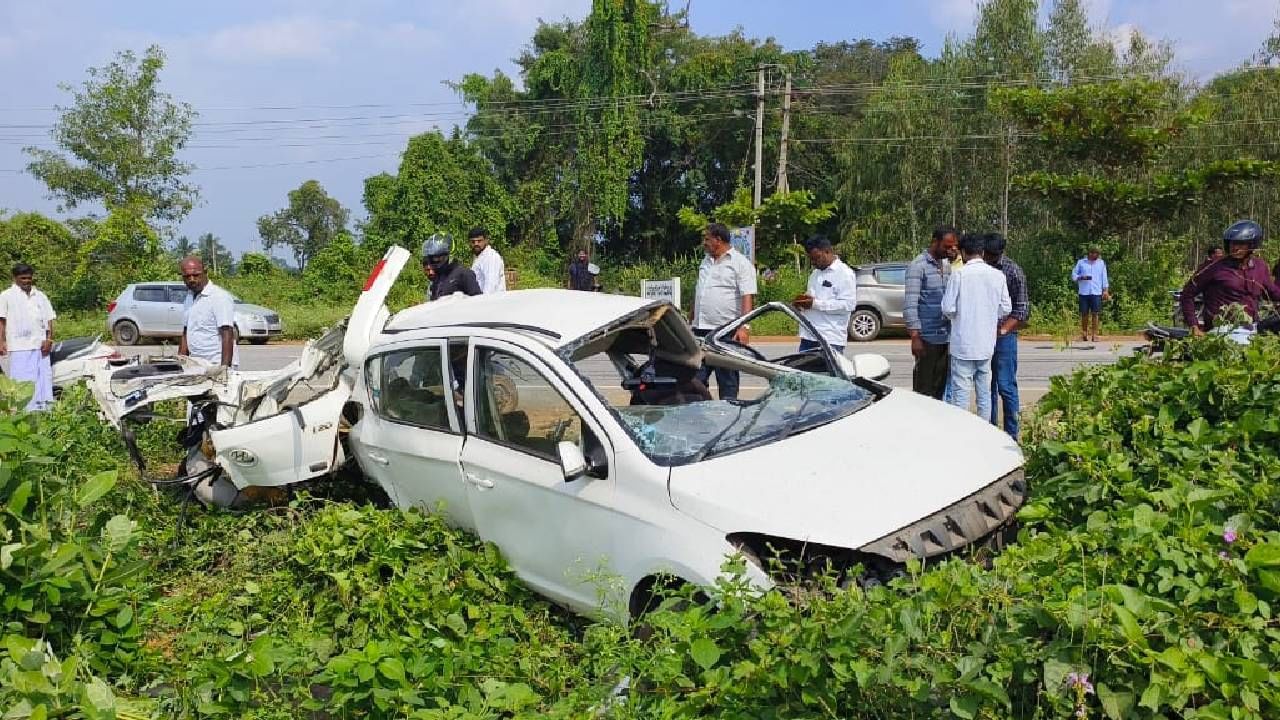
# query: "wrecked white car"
[[567, 428]]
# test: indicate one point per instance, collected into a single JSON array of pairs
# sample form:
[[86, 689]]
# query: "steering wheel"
[[755, 354]]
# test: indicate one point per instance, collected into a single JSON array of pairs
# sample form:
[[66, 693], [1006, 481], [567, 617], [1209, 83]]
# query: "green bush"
[[1143, 584], [70, 567], [256, 264]]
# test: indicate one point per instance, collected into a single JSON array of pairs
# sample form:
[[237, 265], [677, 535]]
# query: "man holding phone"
[[831, 297], [1090, 277]]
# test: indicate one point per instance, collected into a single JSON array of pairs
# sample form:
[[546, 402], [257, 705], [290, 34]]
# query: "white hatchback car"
[[565, 428]]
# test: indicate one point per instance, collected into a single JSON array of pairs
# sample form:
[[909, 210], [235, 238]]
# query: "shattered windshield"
[[792, 402]]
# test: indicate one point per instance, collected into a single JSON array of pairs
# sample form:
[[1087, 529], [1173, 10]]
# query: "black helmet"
[[1244, 231], [438, 247]]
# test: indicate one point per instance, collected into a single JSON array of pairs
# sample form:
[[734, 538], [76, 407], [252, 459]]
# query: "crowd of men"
[[965, 304]]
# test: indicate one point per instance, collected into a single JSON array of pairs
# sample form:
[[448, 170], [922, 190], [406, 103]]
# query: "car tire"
[[864, 325], [258, 341], [125, 332]]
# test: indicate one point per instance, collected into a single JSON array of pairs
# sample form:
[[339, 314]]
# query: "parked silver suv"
[[882, 291], [154, 310]]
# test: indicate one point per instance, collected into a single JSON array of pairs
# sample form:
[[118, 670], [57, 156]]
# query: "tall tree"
[[181, 247], [1109, 172], [311, 221], [1073, 51], [442, 185], [119, 143], [216, 255]]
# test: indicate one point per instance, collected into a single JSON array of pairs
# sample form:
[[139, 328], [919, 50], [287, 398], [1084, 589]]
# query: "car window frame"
[[181, 292], [892, 269], [549, 374], [456, 424], [161, 289]]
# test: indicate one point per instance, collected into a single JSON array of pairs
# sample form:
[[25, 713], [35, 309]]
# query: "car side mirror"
[[871, 366], [572, 462]]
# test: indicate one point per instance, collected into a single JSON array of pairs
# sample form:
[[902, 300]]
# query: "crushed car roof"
[[563, 315]]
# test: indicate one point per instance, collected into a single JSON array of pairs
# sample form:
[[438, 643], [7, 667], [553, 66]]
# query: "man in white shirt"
[[209, 319], [490, 271], [977, 296], [830, 299], [725, 291], [26, 335]]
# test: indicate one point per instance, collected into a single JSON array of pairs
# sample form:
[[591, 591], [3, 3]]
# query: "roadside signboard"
[[668, 290], [743, 240]]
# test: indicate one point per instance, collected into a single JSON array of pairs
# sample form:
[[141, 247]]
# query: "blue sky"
[[237, 61]]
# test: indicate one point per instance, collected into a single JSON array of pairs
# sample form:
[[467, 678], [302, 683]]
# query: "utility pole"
[[759, 134], [786, 126]]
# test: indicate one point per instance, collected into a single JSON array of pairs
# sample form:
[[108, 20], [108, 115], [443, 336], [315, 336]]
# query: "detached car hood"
[[864, 478]]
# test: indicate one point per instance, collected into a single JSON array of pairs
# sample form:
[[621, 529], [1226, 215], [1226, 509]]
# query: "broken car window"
[[792, 402]]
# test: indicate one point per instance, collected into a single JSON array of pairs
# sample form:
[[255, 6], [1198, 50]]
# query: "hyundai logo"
[[243, 457]]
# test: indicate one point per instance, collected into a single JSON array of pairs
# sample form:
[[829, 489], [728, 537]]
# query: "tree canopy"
[[118, 143], [311, 221]]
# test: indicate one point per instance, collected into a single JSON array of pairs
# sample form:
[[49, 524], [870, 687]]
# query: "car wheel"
[[126, 332], [650, 593], [864, 325], [258, 341]]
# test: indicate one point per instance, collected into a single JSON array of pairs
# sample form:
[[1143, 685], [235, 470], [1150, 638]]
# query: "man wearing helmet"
[[447, 277], [1240, 278]]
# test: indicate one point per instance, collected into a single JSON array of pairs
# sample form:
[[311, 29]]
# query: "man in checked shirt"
[[1004, 364]]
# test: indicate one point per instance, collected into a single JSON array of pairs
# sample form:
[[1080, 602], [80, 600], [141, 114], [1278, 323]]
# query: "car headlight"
[[257, 318]]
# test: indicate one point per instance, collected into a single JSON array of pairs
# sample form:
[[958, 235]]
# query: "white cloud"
[[1121, 36], [953, 15], [296, 38]]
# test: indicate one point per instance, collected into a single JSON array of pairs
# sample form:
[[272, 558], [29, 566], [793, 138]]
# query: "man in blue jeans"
[[1004, 363], [977, 296]]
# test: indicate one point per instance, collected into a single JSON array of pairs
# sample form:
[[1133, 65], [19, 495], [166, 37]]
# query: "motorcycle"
[[1158, 336]]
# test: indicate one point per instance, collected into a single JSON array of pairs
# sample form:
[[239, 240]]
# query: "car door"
[[558, 535], [410, 439], [175, 313], [893, 284], [150, 307]]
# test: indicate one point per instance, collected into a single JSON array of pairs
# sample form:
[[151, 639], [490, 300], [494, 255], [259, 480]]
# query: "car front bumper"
[[260, 329]]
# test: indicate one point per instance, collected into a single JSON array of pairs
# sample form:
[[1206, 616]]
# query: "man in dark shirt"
[[1004, 363], [580, 277], [447, 277], [1240, 278]]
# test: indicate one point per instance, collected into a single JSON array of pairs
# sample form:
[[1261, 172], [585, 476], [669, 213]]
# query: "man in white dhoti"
[[26, 334]]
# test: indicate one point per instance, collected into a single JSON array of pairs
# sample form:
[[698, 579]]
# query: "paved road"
[[1038, 360]]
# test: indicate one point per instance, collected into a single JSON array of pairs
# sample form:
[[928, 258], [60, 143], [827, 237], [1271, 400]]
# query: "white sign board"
[[743, 240], [668, 290]]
